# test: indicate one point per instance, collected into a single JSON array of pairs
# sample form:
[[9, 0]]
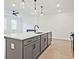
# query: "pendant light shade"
[[35, 0]]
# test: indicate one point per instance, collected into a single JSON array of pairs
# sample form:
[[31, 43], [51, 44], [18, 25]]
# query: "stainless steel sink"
[[38, 32]]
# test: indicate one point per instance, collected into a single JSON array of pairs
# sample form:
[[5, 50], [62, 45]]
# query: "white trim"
[[62, 38]]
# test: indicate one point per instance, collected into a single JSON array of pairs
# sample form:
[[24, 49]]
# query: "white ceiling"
[[49, 6]]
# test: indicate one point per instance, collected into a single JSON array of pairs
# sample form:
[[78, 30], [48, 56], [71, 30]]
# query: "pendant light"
[[35, 6], [42, 11], [23, 2]]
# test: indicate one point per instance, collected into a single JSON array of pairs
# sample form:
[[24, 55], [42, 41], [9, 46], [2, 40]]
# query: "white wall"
[[8, 25], [60, 24]]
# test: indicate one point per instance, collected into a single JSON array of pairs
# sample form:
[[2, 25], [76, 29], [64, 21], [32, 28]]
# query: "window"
[[5, 24], [13, 24]]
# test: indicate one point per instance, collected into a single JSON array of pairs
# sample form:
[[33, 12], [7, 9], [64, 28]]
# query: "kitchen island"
[[26, 45]]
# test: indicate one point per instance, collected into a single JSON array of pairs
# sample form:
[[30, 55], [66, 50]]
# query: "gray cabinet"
[[49, 38], [13, 49], [42, 44], [32, 49], [43, 41], [29, 48], [28, 51], [36, 49]]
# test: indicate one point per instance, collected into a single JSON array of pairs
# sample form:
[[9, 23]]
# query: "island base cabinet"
[[42, 45], [28, 52], [32, 50], [29, 48], [13, 49], [43, 41], [49, 38], [36, 49]]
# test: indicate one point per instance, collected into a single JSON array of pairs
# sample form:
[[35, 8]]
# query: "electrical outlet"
[[12, 46]]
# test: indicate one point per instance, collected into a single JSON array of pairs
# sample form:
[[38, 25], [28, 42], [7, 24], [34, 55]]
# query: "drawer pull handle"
[[36, 38], [29, 40]]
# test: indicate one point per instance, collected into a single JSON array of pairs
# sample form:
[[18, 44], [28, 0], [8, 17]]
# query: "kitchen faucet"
[[35, 27], [28, 30]]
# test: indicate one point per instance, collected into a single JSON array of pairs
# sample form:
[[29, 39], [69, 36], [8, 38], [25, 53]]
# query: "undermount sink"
[[38, 32]]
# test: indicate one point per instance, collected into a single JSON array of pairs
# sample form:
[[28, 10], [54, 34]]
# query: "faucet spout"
[[35, 27]]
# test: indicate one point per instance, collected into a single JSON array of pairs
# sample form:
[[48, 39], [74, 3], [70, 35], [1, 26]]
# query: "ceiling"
[[49, 6]]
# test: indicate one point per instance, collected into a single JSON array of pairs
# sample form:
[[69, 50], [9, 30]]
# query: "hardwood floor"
[[59, 49]]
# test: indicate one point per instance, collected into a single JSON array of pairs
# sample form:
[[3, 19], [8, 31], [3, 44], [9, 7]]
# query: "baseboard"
[[54, 38]]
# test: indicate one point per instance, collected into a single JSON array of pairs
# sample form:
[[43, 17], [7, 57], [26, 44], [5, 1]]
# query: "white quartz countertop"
[[22, 36]]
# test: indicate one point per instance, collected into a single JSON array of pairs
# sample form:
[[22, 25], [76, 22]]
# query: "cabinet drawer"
[[37, 37], [44, 35], [28, 41]]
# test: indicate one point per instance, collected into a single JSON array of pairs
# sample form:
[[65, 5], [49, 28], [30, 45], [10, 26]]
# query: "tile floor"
[[59, 49]]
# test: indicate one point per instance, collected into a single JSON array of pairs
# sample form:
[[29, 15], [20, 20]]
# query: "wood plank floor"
[[59, 49]]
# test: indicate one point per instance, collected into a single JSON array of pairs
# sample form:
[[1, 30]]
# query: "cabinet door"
[[45, 41], [49, 38], [28, 51], [36, 49], [42, 44]]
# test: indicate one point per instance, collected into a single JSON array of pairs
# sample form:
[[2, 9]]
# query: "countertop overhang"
[[22, 36]]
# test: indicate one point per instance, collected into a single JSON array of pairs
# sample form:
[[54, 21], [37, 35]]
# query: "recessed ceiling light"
[[13, 5], [58, 5], [59, 10], [22, 3]]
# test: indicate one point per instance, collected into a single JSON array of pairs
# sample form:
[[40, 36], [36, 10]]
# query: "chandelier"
[[35, 9]]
